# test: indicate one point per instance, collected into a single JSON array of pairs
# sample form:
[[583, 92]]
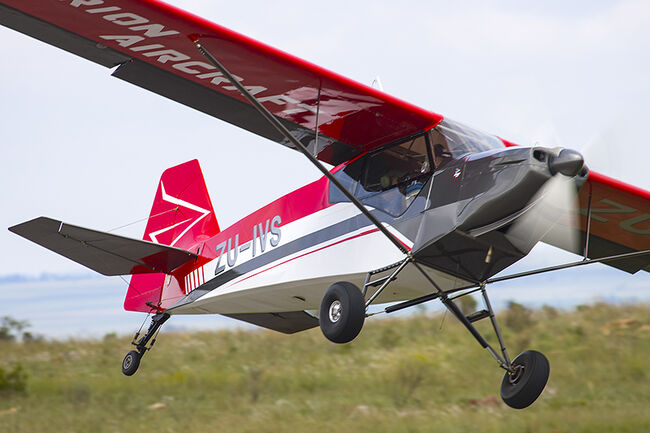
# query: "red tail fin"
[[182, 217]]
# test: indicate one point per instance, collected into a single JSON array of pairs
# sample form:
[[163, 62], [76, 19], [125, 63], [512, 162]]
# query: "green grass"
[[399, 375]]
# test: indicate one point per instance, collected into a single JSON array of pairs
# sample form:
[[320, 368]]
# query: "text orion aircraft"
[[417, 208]]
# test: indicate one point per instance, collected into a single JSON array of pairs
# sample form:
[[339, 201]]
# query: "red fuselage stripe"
[[367, 232]]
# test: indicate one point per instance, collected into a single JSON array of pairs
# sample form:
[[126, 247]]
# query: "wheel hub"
[[515, 376], [335, 311]]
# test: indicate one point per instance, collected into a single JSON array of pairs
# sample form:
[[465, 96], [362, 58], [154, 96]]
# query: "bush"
[[550, 312], [14, 380], [12, 330], [389, 337], [11, 327], [518, 317], [408, 376], [467, 304]]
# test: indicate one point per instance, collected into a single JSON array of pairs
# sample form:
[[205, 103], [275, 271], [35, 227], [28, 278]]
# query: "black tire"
[[342, 312], [522, 389], [131, 362]]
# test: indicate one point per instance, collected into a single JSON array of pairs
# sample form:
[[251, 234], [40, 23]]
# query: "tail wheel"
[[520, 388], [131, 362], [342, 312]]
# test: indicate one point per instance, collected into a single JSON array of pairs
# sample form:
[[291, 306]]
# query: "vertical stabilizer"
[[181, 216]]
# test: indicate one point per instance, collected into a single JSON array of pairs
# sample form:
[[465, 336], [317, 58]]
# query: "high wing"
[[149, 44], [105, 253], [619, 222]]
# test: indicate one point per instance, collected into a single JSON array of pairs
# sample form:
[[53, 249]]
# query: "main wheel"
[[131, 362], [342, 312], [521, 388]]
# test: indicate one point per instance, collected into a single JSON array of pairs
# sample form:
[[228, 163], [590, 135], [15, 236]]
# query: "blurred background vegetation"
[[422, 373]]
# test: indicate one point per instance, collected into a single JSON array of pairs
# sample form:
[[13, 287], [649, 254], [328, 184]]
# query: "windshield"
[[390, 178], [452, 139]]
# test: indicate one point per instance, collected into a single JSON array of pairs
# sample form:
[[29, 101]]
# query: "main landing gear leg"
[[526, 376], [343, 308], [131, 361]]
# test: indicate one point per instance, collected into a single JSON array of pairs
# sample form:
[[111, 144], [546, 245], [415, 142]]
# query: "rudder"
[[181, 216]]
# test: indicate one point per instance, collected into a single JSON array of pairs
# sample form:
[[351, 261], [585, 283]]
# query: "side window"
[[388, 179], [348, 176], [405, 166]]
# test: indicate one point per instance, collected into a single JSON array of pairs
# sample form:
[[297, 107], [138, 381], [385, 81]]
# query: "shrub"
[[14, 380], [467, 304], [550, 312], [11, 328], [389, 337], [408, 376], [518, 317]]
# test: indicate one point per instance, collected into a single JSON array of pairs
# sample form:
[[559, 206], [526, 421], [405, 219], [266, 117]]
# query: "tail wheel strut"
[[131, 361]]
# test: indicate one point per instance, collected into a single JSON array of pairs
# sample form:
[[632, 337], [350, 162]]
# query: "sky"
[[86, 148]]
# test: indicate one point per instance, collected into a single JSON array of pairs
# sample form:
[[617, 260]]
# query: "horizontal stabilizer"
[[105, 253]]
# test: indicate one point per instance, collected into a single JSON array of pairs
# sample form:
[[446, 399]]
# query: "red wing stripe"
[[290, 87]]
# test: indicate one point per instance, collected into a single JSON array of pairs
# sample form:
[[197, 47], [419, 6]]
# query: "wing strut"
[[476, 287], [285, 132], [320, 85]]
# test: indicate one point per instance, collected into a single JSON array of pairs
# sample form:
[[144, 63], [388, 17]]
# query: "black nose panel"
[[466, 236]]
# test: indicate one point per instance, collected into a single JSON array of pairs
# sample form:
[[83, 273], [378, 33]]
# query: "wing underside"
[[149, 44], [619, 223]]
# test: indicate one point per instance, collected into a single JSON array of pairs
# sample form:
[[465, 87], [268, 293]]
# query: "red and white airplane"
[[417, 208]]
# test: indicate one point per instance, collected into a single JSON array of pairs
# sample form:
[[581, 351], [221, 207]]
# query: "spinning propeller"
[[553, 211]]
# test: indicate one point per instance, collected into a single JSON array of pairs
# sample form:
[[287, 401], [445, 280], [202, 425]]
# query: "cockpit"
[[389, 178], [460, 140]]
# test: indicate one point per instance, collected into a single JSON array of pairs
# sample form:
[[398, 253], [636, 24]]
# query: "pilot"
[[390, 179]]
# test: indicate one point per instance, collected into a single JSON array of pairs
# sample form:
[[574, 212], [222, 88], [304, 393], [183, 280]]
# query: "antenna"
[[376, 83]]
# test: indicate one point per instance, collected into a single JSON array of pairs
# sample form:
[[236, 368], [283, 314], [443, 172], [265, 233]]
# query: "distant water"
[[89, 305], [82, 306]]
